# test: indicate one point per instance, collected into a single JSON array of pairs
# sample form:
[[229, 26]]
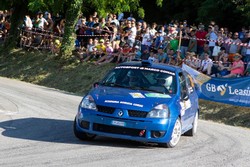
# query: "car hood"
[[129, 99]]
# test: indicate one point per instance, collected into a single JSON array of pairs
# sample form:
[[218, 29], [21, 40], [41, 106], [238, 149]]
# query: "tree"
[[19, 9], [103, 7]]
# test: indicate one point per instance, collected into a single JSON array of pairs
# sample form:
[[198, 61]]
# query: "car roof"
[[152, 65]]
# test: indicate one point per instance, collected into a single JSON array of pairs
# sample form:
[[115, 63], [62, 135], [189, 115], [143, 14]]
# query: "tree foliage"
[[230, 13]]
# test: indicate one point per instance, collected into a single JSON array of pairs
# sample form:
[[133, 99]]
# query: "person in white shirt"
[[42, 21], [132, 34], [206, 65], [146, 40], [212, 37], [28, 23]]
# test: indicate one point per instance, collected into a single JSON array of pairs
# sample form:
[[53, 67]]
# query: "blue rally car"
[[141, 101]]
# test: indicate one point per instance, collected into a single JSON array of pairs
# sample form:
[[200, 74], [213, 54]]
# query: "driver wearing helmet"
[[133, 80], [166, 81]]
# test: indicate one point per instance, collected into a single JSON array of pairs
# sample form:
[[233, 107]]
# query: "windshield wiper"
[[146, 89], [112, 84]]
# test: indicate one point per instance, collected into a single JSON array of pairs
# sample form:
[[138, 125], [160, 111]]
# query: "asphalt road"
[[36, 130]]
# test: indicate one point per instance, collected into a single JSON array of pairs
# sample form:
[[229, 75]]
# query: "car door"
[[185, 102]]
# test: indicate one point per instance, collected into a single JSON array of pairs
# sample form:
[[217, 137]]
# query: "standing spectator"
[[144, 26], [234, 47], [159, 39], [212, 37], [126, 31], [192, 46], [132, 34], [81, 31], [201, 39], [185, 40], [153, 30], [227, 41], [28, 23], [247, 57], [36, 21], [242, 33], [42, 21], [146, 40], [50, 25], [115, 20]]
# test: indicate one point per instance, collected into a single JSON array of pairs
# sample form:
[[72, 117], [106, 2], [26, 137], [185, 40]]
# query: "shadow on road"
[[57, 131]]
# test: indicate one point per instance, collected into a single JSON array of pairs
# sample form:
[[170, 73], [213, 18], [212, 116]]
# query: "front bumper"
[[138, 129]]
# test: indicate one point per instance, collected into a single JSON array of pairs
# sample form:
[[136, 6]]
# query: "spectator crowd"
[[210, 49]]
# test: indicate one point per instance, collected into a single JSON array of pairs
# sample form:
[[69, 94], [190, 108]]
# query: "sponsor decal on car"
[[137, 95], [159, 95]]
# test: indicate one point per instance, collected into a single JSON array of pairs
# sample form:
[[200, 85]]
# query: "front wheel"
[[82, 135], [175, 137]]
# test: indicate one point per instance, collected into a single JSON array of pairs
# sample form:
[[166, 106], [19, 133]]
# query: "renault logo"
[[120, 113]]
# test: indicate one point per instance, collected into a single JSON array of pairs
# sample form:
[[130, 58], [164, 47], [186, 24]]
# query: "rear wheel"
[[82, 135], [193, 131], [175, 137]]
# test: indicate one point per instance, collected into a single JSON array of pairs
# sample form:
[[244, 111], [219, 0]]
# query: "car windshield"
[[148, 79]]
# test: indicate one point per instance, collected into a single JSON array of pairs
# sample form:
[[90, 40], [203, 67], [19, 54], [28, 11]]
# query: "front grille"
[[135, 113], [118, 130], [105, 109]]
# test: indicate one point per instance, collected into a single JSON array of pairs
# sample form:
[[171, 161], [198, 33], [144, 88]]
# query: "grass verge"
[[44, 69]]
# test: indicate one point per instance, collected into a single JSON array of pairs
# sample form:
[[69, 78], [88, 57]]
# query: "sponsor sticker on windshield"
[[137, 95], [159, 95]]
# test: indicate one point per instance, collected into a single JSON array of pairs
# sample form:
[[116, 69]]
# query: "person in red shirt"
[[201, 34], [124, 54]]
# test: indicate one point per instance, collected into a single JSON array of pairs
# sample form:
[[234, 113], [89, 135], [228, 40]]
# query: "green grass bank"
[[45, 69]]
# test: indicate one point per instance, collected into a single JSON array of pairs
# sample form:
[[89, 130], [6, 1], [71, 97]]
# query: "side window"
[[183, 86]]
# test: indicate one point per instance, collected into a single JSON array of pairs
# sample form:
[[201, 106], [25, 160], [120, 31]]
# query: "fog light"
[[157, 134], [84, 124]]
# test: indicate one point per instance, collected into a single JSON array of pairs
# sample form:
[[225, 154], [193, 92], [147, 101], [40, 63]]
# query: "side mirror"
[[96, 84], [184, 96]]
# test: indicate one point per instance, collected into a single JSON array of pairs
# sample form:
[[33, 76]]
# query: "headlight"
[[88, 102], [160, 111]]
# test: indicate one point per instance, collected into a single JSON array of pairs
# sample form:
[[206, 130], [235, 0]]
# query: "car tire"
[[193, 131], [82, 135], [176, 135]]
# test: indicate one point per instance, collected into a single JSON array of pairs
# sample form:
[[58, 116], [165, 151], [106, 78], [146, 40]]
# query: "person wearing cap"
[[136, 54], [158, 40], [237, 68]]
